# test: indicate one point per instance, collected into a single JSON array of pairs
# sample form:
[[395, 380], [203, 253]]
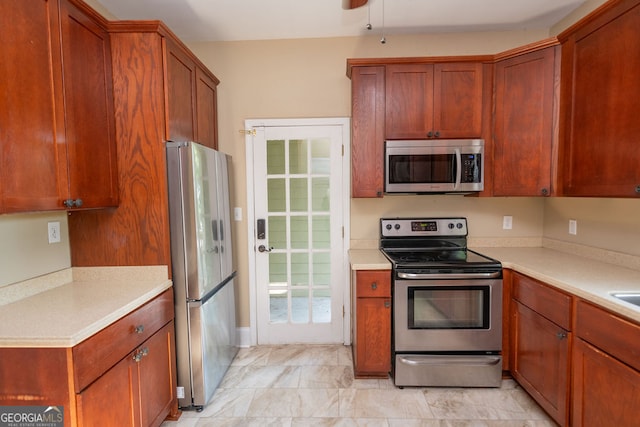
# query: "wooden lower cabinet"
[[606, 392], [372, 323], [606, 368], [141, 381], [124, 375], [541, 342]]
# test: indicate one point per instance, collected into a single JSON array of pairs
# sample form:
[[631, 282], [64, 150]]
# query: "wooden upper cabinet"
[[442, 100], [524, 123], [192, 98], [206, 109], [601, 100], [57, 130], [32, 112], [181, 103], [159, 93], [88, 98], [367, 131]]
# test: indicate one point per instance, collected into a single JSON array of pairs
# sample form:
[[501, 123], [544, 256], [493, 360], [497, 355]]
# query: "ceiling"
[[228, 20]]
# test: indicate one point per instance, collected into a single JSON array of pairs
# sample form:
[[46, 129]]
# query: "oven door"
[[448, 316]]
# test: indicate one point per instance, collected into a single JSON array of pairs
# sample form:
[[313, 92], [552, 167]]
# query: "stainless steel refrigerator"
[[202, 269]]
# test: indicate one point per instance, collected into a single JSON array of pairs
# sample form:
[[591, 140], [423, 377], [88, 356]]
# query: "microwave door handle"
[[458, 169]]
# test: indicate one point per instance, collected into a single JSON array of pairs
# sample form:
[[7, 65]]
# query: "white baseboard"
[[243, 337]]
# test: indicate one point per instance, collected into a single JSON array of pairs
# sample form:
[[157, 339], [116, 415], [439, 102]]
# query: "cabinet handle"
[[139, 329], [430, 134], [638, 189], [374, 285], [561, 335], [545, 192], [387, 304], [137, 357], [437, 134], [70, 203]]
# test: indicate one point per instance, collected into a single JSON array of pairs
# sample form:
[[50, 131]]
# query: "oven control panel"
[[414, 227]]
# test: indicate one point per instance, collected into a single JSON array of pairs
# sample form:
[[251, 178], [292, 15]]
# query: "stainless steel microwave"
[[434, 166]]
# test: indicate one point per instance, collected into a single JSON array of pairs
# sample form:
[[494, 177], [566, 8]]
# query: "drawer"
[[616, 336], [373, 283], [101, 351], [546, 301]]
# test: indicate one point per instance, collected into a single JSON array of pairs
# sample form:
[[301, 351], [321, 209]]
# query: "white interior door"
[[298, 244]]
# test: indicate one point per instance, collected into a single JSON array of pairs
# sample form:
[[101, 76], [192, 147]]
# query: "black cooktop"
[[459, 258], [430, 245]]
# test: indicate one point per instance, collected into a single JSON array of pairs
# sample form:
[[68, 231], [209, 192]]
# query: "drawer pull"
[[387, 304], [137, 357], [139, 329], [561, 335], [374, 285]]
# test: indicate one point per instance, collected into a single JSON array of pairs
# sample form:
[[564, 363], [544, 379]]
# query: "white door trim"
[[346, 214]]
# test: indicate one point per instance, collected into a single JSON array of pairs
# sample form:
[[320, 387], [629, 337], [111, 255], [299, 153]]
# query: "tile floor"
[[302, 385]]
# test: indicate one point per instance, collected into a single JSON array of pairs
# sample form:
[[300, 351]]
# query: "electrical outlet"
[[180, 392], [573, 226], [507, 222], [54, 232], [237, 214]]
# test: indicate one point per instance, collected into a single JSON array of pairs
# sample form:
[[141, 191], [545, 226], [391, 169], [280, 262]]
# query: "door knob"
[[263, 248]]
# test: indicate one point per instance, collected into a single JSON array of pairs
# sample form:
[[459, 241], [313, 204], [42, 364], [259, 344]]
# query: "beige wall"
[[25, 251]]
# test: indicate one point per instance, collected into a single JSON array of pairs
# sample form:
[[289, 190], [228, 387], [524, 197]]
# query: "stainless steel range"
[[447, 305]]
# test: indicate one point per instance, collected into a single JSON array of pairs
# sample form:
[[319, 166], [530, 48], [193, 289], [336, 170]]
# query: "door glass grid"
[[298, 229]]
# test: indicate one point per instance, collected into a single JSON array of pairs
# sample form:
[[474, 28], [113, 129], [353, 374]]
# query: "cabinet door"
[[409, 101], [90, 122], [112, 400], [606, 392], [374, 336], [524, 128], [156, 373], [206, 110], [367, 133], [599, 68], [457, 100], [181, 78], [540, 360], [32, 153]]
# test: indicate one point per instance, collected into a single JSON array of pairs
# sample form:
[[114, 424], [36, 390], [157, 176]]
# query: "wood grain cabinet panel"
[[372, 323], [442, 100], [155, 100], [206, 109], [525, 124], [367, 131], [57, 133], [606, 368], [540, 346], [601, 100]]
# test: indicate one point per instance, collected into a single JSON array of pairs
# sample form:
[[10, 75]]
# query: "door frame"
[[250, 124]]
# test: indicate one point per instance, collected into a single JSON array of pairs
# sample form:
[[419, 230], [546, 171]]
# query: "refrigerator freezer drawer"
[[213, 344]]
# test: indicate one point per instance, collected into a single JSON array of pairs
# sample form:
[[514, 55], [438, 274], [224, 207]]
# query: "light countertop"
[[68, 313], [578, 275], [368, 259]]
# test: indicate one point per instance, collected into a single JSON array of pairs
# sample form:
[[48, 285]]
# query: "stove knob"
[[388, 226], [397, 226], [459, 225], [451, 225]]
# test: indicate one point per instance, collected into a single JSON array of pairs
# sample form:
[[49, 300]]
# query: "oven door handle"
[[414, 276]]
